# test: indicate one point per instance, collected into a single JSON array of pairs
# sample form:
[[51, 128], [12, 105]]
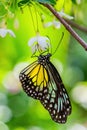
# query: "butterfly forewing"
[[34, 79]]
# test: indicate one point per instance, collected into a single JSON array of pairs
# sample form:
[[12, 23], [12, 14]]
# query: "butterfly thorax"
[[44, 59]]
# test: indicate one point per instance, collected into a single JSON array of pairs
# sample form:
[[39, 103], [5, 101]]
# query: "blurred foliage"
[[23, 2], [17, 110]]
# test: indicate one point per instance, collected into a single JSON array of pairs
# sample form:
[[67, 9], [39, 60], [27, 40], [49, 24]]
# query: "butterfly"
[[41, 81]]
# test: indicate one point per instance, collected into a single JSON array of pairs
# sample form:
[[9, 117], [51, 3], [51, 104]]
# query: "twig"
[[67, 26], [73, 24]]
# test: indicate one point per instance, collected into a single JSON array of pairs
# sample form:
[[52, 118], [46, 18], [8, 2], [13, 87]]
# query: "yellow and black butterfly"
[[41, 81]]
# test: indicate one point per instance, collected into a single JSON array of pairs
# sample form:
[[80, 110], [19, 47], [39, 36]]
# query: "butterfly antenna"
[[58, 43]]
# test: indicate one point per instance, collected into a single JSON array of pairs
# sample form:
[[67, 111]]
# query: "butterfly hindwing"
[[56, 101]]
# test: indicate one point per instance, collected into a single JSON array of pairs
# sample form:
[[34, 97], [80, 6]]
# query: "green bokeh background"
[[17, 110]]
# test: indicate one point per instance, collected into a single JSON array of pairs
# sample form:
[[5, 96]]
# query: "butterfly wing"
[[43, 82], [56, 100], [34, 79]]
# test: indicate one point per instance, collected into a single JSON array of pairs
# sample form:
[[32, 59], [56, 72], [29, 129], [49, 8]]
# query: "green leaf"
[[52, 2], [23, 2], [74, 1], [3, 11]]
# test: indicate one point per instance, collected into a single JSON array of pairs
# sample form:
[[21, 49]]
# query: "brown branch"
[[73, 24], [67, 26]]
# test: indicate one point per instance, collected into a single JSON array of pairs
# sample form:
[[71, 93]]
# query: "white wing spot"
[[40, 94], [56, 116], [50, 105], [55, 106], [30, 91], [63, 89], [45, 101], [54, 111], [60, 116], [45, 90], [63, 115], [67, 109]]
